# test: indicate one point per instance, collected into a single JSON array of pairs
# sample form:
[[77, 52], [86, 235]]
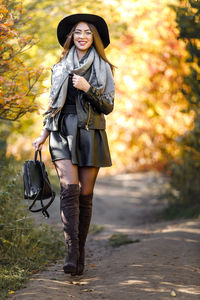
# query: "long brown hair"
[[97, 42]]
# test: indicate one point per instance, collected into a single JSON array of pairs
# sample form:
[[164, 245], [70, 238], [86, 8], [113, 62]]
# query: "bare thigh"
[[67, 172], [72, 174], [87, 178]]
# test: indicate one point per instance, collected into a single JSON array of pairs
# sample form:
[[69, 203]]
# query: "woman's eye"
[[88, 33]]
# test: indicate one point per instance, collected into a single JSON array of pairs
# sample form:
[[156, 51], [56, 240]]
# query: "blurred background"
[[155, 48], [155, 125]]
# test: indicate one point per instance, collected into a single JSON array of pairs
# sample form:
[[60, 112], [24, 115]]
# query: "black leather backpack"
[[37, 185]]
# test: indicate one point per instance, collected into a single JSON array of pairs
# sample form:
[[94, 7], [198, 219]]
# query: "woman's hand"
[[38, 143], [80, 83]]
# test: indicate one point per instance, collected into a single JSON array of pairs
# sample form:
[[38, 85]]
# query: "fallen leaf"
[[88, 290], [34, 271], [75, 283], [173, 294]]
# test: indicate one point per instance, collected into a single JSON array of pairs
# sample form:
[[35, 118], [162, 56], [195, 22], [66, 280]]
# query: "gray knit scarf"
[[93, 68]]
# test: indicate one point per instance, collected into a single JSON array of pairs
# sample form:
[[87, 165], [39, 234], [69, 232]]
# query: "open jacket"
[[91, 108]]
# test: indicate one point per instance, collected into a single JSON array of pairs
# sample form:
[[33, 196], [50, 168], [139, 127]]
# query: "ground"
[[163, 262]]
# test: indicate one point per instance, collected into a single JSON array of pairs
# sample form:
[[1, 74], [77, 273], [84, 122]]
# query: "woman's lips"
[[82, 43]]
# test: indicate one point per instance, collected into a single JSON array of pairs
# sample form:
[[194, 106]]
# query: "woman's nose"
[[82, 34]]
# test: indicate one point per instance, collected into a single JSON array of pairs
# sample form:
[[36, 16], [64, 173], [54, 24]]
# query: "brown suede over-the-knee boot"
[[85, 207], [69, 207]]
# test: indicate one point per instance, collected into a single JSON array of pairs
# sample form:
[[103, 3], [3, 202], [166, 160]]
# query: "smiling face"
[[83, 38]]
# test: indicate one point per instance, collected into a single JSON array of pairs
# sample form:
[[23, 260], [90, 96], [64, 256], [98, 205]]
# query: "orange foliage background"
[[17, 80], [150, 61]]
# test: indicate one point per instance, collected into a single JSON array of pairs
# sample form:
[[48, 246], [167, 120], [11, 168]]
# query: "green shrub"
[[119, 239], [185, 174], [95, 228]]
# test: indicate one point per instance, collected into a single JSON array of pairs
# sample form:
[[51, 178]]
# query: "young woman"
[[82, 92]]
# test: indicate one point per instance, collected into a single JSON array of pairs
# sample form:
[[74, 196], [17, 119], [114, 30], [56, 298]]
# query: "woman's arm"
[[38, 143], [102, 102]]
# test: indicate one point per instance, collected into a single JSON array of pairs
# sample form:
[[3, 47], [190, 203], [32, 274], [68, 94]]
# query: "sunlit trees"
[[17, 81], [150, 62], [186, 171], [151, 66]]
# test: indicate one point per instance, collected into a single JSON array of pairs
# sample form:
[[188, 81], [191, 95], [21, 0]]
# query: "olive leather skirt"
[[83, 147]]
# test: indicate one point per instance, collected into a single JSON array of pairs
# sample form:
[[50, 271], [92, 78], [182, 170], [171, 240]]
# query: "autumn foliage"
[[148, 115], [17, 81], [151, 64], [186, 169]]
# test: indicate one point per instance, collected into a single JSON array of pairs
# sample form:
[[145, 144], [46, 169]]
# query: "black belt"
[[69, 109]]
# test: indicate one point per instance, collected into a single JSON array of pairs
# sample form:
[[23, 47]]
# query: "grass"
[[95, 228], [25, 247], [175, 208], [119, 239], [180, 211], [53, 177]]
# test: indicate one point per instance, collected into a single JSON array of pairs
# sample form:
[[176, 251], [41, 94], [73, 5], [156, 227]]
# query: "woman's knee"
[[86, 190], [87, 177]]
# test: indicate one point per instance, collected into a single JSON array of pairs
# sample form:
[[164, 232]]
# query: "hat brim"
[[66, 24]]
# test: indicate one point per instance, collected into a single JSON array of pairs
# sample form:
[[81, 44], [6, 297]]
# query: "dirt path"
[[164, 264]]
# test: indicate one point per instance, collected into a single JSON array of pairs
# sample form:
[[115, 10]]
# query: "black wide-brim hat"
[[66, 24]]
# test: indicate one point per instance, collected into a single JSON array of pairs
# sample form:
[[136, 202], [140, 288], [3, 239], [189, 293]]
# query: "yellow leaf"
[[173, 294], [6, 55], [88, 290]]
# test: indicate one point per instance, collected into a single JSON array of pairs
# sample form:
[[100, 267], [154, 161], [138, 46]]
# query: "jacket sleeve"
[[51, 123], [104, 103]]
